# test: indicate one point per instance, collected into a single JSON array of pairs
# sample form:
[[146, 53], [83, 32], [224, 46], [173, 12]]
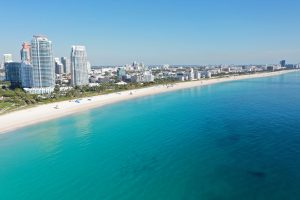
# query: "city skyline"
[[161, 32], [150, 99]]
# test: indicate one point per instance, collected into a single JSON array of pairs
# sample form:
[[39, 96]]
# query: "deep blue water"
[[230, 141]]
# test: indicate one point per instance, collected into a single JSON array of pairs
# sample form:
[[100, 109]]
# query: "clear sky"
[[158, 31]]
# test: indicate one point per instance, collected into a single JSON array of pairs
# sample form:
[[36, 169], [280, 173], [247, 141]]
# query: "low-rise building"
[[180, 76], [44, 90], [148, 77], [136, 78], [191, 74], [271, 68], [208, 74]]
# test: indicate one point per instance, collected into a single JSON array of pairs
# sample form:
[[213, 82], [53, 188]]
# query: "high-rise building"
[[25, 52], [42, 62], [138, 66], [66, 64], [79, 71], [121, 72], [13, 73], [26, 69], [59, 68], [7, 58], [282, 63]]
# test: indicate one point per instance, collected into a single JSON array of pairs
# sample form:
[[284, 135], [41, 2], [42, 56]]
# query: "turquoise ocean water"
[[230, 141]]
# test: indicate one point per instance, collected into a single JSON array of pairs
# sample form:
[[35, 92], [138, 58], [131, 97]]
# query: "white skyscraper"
[[42, 62], [79, 71]]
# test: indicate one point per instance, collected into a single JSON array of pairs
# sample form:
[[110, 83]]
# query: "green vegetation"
[[15, 99], [11, 99]]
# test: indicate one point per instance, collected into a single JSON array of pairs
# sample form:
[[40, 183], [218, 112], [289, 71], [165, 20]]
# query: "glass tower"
[[13, 73], [79, 71], [42, 62]]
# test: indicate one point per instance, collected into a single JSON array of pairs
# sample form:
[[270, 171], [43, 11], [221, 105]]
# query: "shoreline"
[[22, 118]]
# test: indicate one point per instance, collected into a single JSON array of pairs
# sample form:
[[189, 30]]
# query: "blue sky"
[[158, 31]]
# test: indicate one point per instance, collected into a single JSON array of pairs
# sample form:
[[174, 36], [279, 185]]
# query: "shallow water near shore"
[[234, 140]]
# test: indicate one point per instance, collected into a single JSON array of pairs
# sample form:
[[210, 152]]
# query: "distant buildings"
[[197, 75], [282, 63], [42, 62], [59, 68], [165, 67], [188, 74], [25, 52], [271, 68], [208, 74], [136, 78], [191, 75], [137, 66], [226, 70], [7, 58], [148, 77], [145, 77], [181, 76], [121, 73], [290, 66], [39, 71], [79, 71], [66, 64]]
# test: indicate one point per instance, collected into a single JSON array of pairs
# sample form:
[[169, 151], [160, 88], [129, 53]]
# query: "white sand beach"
[[42, 113]]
